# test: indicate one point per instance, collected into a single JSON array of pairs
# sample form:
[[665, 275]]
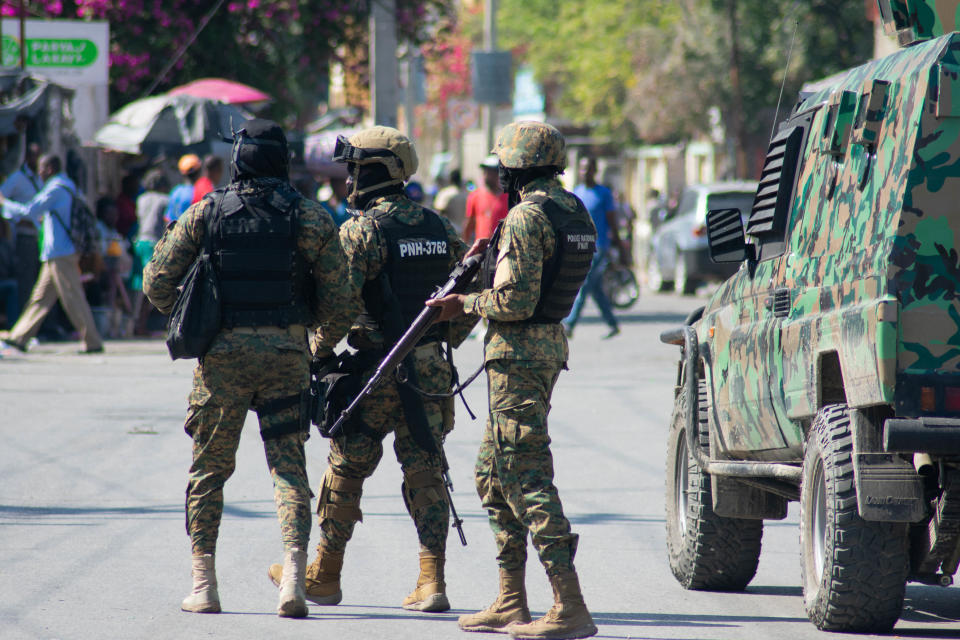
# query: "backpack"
[[82, 229]]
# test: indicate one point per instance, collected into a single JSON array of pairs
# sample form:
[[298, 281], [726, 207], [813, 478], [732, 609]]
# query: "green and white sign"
[[50, 52], [71, 52]]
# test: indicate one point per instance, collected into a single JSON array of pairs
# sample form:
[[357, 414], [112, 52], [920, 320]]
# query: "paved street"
[[92, 541]]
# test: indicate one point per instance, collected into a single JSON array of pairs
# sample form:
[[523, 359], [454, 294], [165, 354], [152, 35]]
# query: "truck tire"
[[854, 572], [707, 552]]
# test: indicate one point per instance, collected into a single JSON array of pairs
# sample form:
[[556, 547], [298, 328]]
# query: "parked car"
[[678, 256]]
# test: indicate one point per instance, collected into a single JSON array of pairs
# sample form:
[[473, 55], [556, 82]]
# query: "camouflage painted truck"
[[827, 369]]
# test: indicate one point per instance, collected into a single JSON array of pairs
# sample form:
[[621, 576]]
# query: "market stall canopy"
[[24, 96], [170, 125], [221, 89]]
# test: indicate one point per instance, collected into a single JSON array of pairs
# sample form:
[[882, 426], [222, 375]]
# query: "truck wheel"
[[854, 572], [707, 552]]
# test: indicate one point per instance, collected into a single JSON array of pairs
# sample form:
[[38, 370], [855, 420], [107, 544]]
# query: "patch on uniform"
[[417, 247]]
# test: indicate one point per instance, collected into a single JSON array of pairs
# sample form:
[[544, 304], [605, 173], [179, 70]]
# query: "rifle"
[[448, 489], [457, 282]]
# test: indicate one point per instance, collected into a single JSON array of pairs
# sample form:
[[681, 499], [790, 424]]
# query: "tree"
[[283, 47], [652, 70]]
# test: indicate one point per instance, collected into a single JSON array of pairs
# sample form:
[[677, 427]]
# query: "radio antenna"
[[793, 39]]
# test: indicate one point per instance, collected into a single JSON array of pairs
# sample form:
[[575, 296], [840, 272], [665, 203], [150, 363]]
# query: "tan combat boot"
[[568, 618], [509, 607], [431, 592], [322, 577], [204, 597], [292, 603]]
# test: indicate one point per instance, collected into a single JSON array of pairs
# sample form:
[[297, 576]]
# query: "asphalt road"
[[93, 466]]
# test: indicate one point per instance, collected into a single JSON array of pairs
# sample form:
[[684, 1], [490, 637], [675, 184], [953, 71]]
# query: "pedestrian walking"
[[281, 269], [21, 186], [397, 252], [59, 276], [536, 263], [603, 211]]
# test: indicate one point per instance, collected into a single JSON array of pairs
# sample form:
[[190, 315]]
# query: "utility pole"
[[23, 35], [489, 44], [383, 62]]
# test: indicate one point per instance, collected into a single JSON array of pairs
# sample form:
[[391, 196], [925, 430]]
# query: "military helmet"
[[384, 145], [528, 143]]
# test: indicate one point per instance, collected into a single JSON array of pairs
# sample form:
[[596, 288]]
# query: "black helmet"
[[260, 151]]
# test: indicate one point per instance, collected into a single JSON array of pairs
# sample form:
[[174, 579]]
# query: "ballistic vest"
[[566, 270], [264, 281], [418, 261]]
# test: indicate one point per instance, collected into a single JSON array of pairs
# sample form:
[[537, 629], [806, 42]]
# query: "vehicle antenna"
[[793, 38]]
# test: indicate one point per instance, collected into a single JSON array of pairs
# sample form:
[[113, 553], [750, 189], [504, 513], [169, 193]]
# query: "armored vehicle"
[[827, 369]]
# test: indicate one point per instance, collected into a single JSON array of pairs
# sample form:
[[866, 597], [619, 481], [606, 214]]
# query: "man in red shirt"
[[486, 205], [212, 172]]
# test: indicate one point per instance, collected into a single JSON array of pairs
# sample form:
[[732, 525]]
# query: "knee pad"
[[345, 505], [428, 486]]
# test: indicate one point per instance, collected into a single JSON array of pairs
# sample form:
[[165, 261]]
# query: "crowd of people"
[[106, 300], [39, 295]]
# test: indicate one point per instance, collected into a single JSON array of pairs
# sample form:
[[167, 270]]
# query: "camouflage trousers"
[[243, 372], [355, 455], [514, 472]]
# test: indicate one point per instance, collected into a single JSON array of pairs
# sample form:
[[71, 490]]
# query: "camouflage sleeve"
[[461, 327], [516, 283], [173, 256], [363, 257], [319, 243]]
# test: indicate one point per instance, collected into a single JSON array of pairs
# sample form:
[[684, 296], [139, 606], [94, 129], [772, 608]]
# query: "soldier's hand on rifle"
[[479, 246], [451, 306]]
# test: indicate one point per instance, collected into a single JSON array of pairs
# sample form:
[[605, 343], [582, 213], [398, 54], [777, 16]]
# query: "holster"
[[332, 390]]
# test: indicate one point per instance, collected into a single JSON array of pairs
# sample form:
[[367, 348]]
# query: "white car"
[[678, 256]]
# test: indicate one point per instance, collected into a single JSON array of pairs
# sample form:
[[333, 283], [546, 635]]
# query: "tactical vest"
[[264, 281], [566, 270], [418, 261]]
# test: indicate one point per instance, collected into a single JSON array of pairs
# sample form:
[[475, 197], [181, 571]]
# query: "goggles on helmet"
[[343, 151]]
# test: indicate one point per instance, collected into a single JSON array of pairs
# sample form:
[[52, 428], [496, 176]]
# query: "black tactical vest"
[[566, 270], [418, 261], [264, 281]]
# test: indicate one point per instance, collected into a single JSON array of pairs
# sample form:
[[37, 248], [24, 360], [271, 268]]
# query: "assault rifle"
[[457, 282], [448, 489]]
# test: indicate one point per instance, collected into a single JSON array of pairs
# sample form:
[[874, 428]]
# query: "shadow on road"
[[685, 620], [930, 605], [32, 514], [606, 518]]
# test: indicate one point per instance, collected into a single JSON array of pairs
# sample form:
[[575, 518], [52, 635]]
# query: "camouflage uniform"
[[354, 456], [514, 472], [245, 367]]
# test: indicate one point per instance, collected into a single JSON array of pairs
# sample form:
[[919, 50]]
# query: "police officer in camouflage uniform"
[[539, 258], [398, 252], [282, 273]]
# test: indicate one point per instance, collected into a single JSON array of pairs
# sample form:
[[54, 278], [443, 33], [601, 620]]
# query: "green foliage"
[[652, 69], [582, 51], [282, 47]]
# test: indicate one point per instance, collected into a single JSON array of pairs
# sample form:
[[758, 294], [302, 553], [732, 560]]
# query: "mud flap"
[[734, 499], [889, 489]]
